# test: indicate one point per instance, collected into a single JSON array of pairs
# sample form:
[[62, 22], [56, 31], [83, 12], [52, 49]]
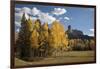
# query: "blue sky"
[[78, 17]]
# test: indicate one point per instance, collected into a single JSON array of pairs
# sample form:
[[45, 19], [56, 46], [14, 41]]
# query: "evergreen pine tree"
[[23, 41]]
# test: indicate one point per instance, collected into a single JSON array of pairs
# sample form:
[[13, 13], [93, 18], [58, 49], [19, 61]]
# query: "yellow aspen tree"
[[57, 38]]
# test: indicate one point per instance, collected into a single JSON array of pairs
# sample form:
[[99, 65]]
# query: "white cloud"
[[18, 17], [17, 9], [35, 11], [18, 24], [33, 18], [45, 17], [92, 32], [59, 11], [67, 18], [23, 10], [26, 10], [17, 30]]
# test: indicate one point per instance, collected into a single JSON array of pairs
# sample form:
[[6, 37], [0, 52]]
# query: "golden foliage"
[[34, 39], [44, 33], [57, 36], [37, 25], [29, 24]]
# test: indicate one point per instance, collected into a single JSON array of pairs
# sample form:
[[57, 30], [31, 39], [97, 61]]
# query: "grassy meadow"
[[66, 57]]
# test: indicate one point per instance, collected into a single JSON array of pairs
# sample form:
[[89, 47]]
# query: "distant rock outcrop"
[[76, 34]]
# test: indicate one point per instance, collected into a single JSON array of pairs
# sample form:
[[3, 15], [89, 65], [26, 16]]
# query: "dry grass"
[[66, 57]]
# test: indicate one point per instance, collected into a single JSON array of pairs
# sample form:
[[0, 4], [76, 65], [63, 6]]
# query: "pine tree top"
[[23, 18]]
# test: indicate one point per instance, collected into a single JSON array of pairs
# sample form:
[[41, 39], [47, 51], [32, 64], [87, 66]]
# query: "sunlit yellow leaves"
[[34, 39], [37, 25], [35, 34], [57, 36], [29, 24], [45, 26]]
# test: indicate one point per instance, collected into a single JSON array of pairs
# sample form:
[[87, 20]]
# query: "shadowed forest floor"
[[66, 57]]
